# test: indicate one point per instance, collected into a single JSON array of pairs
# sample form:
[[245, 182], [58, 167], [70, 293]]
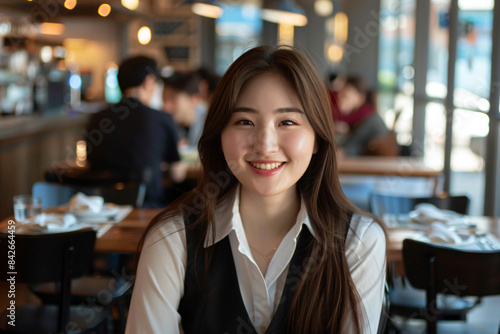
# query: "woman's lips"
[[267, 168]]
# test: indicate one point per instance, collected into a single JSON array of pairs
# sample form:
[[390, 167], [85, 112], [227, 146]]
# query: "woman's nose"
[[265, 141]]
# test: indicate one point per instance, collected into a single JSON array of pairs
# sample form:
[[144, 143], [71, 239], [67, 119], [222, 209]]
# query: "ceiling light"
[[323, 7], [130, 4], [207, 8], [335, 53], [284, 11], [104, 10], [70, 4], [144, 35], [341, 28]]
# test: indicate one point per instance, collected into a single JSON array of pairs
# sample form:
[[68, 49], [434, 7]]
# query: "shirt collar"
[[227, 218]]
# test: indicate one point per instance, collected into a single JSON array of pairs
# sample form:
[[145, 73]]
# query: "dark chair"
[[113, 288], [382, 203], [451, 271], [405, 300], [51, 257], [54, 194]]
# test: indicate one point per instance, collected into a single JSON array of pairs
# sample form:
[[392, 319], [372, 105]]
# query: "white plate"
[[107, 211], [467, 239], [446, 216]]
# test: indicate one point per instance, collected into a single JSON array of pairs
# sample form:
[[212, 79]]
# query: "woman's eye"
[[287, 123], [244, 122]]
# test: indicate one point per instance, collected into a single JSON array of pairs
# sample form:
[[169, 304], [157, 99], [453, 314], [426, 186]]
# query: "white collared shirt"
[[159, 284]]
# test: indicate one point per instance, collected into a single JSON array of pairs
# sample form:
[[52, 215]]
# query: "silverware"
[[483, 242]]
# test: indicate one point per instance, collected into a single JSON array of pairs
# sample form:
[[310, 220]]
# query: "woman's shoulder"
[[365, 230], [168, 229]]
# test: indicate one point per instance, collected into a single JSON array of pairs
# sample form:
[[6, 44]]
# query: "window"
[[237, 30]]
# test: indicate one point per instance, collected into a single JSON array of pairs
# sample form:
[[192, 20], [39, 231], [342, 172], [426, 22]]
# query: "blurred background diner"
[[413, 86], [359, 129]]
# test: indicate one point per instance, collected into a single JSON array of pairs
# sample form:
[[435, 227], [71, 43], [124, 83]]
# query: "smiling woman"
[[275, 139], [267, 242]]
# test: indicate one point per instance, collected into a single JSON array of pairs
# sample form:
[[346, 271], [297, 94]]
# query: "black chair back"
[[381, 203], [446, 270], [50, 257]]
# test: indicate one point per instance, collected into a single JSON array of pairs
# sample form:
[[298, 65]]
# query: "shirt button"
[[263, 329]]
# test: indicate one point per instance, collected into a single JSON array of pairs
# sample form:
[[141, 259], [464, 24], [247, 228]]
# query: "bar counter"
[[29, 145]]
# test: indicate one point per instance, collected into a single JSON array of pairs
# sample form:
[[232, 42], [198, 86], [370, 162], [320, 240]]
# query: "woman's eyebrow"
[[277, 111]]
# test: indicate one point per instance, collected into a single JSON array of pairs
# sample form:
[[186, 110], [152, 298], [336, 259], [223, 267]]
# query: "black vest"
[[217, 307]]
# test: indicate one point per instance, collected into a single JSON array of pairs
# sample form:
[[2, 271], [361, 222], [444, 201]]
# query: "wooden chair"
[[450, 271], [51, 257], [54, 194]]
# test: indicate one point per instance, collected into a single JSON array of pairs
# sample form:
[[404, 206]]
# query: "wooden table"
[[397, 235], [125, 235], [389, 166]]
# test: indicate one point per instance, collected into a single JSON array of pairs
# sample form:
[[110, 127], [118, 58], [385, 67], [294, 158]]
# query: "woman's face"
[[268, 141]]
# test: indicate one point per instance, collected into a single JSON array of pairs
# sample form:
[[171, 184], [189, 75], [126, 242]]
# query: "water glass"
[[26, 207]]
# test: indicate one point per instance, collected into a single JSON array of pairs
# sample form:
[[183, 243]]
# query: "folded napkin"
[[426, 213], [47, 222], [81, 202], [440, 233]]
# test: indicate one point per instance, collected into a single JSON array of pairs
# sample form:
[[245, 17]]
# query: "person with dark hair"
[[208, 83], [358, 126], [182, 99], [130, 137], [267, 242]]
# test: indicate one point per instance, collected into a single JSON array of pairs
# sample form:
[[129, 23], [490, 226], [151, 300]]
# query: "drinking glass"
[[26, 207]]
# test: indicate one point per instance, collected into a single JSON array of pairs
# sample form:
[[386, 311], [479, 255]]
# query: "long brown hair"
[[325, 296]]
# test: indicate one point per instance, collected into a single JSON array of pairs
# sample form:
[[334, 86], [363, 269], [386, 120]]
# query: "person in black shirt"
[[130, 137]]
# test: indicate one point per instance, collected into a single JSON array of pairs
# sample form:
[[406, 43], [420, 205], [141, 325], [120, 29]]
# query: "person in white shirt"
[[267, 242]]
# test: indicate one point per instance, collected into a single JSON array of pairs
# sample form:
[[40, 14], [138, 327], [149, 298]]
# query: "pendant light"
[[284, 12], [206, 8]]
